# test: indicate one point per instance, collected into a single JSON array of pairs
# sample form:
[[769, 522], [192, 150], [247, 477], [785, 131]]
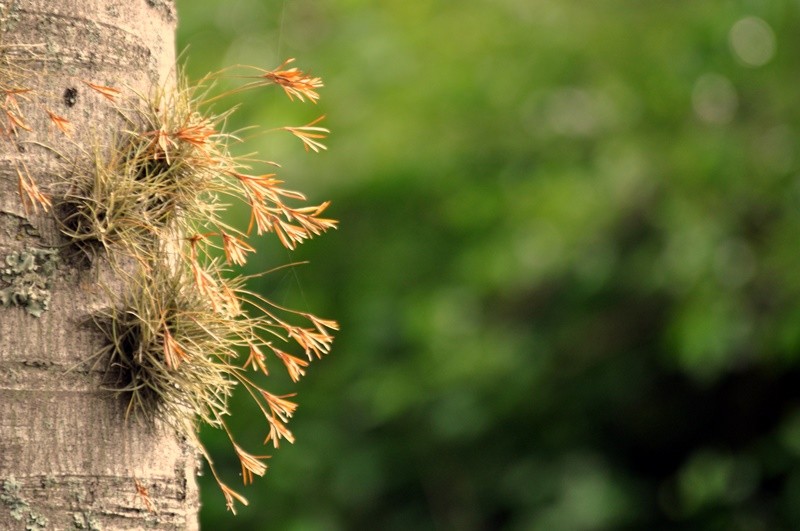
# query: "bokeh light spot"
[[752, 41], [714, 99]]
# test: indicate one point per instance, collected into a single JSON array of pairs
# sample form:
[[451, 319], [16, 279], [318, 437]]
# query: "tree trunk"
[[69, 459]]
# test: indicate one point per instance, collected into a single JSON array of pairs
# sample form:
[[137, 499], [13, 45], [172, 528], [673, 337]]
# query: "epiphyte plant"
[[176, 337], [185, 330]]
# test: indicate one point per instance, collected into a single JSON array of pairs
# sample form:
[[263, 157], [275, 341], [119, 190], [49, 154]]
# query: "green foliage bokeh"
[[567, 271]]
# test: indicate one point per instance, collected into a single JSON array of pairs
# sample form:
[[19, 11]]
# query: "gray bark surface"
[[68, 457]]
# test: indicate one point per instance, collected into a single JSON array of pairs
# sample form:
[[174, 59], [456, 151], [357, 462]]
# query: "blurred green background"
[[567, 273]]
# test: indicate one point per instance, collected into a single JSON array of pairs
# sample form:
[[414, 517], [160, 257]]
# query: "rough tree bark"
[[68, 457]]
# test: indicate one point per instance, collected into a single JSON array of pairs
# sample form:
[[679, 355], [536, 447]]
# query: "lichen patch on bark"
[[25, 278], [20, 509]]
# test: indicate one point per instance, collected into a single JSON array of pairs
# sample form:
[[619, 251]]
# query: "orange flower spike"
[[295, 82], [289, 235], [207, 286], [312, 341], [16, 121], [173, 353], [260, 217], [310, 135], [307, 218], [281, 407], [197, 135], [278, 431], [29, 192], [294, 365], [251, 464], [257, 360], [321, 324], [264, 186], [230, 494], [11, 108], [108, 93], [235, 249], [61, 123]]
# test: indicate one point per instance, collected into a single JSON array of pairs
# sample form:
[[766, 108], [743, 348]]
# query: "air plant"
[[151, 203], [173, 341]]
